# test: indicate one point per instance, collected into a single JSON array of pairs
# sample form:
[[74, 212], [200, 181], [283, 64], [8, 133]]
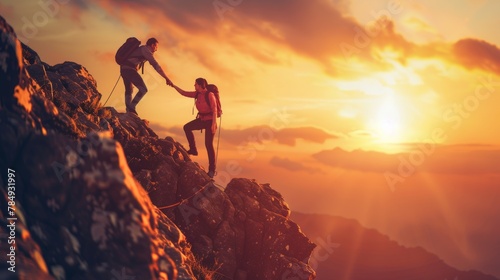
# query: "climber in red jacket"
[[206, 119]]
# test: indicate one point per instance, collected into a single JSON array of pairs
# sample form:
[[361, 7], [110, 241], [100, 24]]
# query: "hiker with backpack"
[[131, 56], [208, 104]]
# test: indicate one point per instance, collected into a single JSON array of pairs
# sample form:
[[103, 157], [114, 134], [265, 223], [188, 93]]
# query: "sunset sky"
[[385, 112]]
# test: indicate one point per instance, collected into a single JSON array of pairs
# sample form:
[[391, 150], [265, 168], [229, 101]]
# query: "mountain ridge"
[[412, 262]]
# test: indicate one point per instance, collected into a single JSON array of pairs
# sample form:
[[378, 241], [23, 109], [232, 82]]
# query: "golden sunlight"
[[387, 121]]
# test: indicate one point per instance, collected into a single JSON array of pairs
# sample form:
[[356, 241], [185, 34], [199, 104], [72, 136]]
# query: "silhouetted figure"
[[206, 119], [132, 78]]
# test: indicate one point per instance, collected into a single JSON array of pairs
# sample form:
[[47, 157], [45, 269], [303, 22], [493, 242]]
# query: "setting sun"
[[387, 123]]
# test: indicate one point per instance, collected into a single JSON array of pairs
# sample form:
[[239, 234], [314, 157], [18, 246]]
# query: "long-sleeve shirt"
[[142, 54]]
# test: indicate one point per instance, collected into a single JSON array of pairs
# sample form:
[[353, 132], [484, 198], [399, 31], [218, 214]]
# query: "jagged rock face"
[[243, 231], [82, 200], [10, 63], [26, 261], [135, 206], [277, 243]]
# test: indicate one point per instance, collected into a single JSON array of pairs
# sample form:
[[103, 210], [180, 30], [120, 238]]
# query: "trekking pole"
[[112, 90]]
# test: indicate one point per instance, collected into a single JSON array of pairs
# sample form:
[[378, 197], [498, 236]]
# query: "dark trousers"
[[198, 124], [132, 78]]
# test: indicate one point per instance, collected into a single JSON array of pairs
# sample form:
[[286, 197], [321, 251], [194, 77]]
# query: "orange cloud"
[[419, 24], [322, 31], [316, 29], [473, 53], [360, 160], [259, 134], [424, 157], [163, 131], [293, 166], [286, 136]]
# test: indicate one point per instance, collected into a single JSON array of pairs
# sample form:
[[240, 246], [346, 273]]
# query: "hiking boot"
[[192, 152], [211, 173], [130, 110]]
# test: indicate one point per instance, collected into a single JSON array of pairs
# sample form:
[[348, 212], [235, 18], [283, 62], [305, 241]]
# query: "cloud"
[[463, 159], [322, 31], [357, 160], [473, 53], [360, 133], [286, 136], [261, 134], [420, 25], [314, 29], [163, 131], [290, 165]]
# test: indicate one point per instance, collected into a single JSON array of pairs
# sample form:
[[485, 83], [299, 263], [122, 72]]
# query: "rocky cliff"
[[96, 194]]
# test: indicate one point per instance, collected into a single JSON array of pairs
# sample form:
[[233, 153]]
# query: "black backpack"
[[124, 52]]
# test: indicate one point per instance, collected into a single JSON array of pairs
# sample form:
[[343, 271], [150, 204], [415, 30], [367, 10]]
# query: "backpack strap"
[[142, 66], [208, 100], [138, 56], [208, 103], [194, 104]]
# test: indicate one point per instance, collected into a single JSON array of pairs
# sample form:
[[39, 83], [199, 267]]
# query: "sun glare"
[[387, 122]]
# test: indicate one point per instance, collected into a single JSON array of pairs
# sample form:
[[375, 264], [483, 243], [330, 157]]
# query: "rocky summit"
[[91, 193]]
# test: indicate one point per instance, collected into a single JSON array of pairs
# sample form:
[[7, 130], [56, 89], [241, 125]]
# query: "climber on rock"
[[131, 57], [206, 119]]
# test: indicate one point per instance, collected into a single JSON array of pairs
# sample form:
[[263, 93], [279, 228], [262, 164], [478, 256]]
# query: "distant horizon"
[[382, 112]]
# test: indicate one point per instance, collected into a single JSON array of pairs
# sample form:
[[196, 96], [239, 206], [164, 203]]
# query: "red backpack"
[[213, 89], [219, 106]]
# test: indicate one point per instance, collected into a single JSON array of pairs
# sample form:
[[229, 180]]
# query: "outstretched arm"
[[149, 57], [191, 94]]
